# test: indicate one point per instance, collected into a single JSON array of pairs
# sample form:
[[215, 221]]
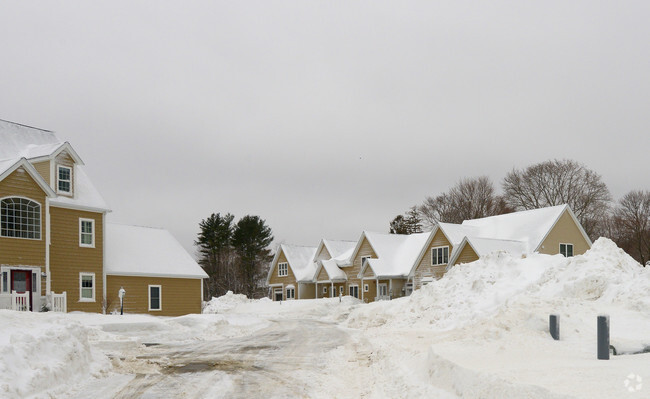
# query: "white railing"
[[20, 302], [59, 302]]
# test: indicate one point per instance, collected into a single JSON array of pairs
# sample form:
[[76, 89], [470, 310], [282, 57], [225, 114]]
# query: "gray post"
[[603, 337], [554, 326]]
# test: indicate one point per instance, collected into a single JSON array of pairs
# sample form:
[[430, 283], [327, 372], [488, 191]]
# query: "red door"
[[21, 282]]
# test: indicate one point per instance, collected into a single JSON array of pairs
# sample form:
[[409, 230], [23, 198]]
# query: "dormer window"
[[64, 179]]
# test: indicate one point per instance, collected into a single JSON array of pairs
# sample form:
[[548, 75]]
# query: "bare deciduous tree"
[[559, 182], [631, 225], [470, 198]]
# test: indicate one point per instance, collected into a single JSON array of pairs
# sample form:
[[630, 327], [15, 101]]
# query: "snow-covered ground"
[[479, 332]]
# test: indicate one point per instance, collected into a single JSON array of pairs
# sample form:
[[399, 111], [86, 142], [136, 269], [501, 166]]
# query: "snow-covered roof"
[[337, 248], [85, 193], [530, 226], [484, 246], [19, 141], [396, 253], [146, 251], [333, 270], [301, 261]]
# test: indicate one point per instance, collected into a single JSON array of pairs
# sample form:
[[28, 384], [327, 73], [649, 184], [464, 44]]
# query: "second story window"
[[87, 233], [64, 179], [283, 269], [20, 218], [439, 255]]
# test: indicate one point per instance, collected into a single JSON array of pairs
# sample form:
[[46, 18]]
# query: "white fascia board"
[[273, 264], [78, 207], [452, 260], [32, 172], [424, 249], [575, 220], [163, 275]]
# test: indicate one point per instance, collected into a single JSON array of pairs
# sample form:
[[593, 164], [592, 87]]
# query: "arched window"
[[20, 218]]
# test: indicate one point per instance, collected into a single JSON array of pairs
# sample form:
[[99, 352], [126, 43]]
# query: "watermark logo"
[[633, 382]]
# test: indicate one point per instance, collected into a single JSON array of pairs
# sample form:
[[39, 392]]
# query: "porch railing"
[[59, 302], [20, 302]]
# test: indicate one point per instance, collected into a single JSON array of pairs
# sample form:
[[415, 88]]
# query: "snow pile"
[[224, 303], [479, 290], [41, 352]]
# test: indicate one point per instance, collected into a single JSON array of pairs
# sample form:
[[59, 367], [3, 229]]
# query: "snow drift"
[[479, 290], [42, 351]]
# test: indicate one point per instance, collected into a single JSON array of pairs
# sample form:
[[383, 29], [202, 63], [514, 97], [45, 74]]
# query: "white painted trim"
[[286, 273], [443, 254], [286, 292], [358, 290], [104, 265], [92, 225], [9, 268], [163, 275], [48, 243], [86, 274], [32, 172], [65, 205], [59, 191], [559, 248], [159, 297], [41, 215]]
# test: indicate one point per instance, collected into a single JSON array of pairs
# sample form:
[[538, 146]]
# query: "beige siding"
[[565, 231], [324, 254], [425, 268], [353, 271], [284, 280], [68, 259], [22, 251], [368, 296], [466, 255], [307, 291], [322, 275], [179, 296], [43, 168], [397, 286], [368, 273]]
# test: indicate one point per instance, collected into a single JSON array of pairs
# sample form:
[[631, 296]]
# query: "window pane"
[[445, 251], [563, 249], [155, 297], [20, 217], [569, 250]]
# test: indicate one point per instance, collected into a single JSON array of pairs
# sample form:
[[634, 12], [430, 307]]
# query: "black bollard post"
[[603, 337], [554, 326]]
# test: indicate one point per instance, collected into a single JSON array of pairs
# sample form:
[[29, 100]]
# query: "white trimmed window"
[[566, 250], [20, 218], [64, 179], [283, 269], [341, 290], [291, 293], [439, 255], [366, 288], [86, 287], [87, 233], [324, 289], [155, 297]]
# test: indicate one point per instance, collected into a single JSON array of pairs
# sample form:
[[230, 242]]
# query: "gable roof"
[[300, 259], [332, 269], [8, 166], [146, 251], [396, 253], [519, 232], [34, 144]]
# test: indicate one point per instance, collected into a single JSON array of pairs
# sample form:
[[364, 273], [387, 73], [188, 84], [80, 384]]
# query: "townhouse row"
[[381, 266]]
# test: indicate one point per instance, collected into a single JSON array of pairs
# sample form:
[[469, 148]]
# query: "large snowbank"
[[479, 290], [43, 351], [224, 303]]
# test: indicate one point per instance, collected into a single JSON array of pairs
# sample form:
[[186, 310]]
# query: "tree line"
[[235, 256], [549, 183]]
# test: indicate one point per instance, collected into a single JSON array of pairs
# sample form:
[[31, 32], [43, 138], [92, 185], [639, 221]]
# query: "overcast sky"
[[325, 118]]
